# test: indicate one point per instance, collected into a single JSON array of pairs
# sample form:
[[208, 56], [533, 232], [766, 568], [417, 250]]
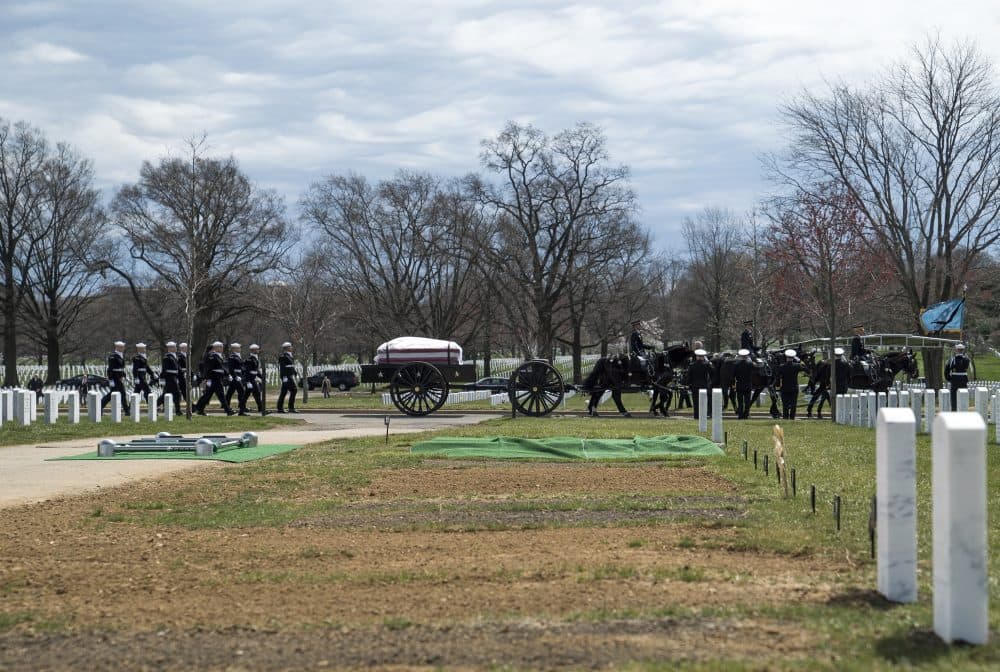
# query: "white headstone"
[[893, 399], [904, 399], [32, 405], [73, 407], [962, 400], [94, 406], [717, 415], [930, 404], [872, 408], [840, 410], [896, 504], [135, 407], [52, 407], [116, 407], [22, 407], [856, 410], [916, 403], [958, 487], [944, 399], [702, 410], [168, 407], [983, 403], [996, 417], [151, 408]]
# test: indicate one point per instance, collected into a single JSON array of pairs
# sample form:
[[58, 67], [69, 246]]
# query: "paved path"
[[26, 477]]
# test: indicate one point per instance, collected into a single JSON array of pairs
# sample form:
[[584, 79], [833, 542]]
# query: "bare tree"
[[204, 231], [23, 156], [552, 203], [919, 150], [71, 221], [715, 258]]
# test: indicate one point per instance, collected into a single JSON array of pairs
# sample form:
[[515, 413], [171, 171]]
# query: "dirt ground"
[[526, 566]]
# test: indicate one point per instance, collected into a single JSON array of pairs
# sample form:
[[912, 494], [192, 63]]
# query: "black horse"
[[620, 373], [879, 377]]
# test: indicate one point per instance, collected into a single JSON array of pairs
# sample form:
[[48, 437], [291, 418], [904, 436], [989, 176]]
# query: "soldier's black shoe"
[[230, 413], [242, 413], [292, 410], [626, 414], [280, 410]]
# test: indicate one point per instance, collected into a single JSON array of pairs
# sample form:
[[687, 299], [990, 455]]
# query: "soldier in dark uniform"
[[858, 351], [639, 350], [286, 369], [170, 374], [116, 377], [140, 369], [746, 338], [182, 370], [253, 378], [236, 386], [788, 382], [743, 375], [841, 377], [956, 371], [215, 372], [700, 373]]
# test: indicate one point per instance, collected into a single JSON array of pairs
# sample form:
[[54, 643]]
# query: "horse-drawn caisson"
[[421, 371]]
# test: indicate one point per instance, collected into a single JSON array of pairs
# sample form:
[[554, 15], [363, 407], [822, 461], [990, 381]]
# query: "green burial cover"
[[570, 448], [227, 455]]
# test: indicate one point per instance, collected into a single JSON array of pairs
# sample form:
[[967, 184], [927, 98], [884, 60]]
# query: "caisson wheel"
[[418, 388], [535, 388]]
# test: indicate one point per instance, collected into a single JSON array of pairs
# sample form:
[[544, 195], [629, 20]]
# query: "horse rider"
[[860, 355], [116, 376], [743, 375], [639, 350], [956, 371], [746, 338], [788, 381], [700, 375]]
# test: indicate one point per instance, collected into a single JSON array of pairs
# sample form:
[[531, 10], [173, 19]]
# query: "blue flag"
[[946, 317]]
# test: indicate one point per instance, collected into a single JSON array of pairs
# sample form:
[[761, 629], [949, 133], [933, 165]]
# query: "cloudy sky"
[[686, 90]]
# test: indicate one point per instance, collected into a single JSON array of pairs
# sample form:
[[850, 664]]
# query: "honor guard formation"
[[220, 376]]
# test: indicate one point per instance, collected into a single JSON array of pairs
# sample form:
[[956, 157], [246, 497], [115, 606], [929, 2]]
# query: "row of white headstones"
[[958, 492], [21, 406], [860, 409]]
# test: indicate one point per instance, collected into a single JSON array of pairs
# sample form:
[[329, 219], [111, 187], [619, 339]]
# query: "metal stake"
[[387, 430], [836, 510], [812, 497]]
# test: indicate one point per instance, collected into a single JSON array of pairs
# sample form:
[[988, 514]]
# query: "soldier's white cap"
[[286, 344], [743, 352], [838, 351], [700, 353], [960, 346], [140, 345], [217, 344], [119, 342], [789, 353], [235, 346], [171, 344], [182, 345], [254, 346]]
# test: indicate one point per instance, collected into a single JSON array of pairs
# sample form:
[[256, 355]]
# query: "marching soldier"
[[700, 374], [788, 381], [170, 375], [252, 378], [235, 366], [286, 369], [140, 369], [956, 371], [116, 376], [215, 372], [182, 370], [743, 373]]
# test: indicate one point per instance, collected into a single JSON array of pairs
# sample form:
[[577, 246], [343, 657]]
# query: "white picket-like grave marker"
[[944, 399], [52, 407], [916, 403], [717, 415], [135, 410], [896, 503], [958, 487], [168, 407], [32, 406], [151, 408], [702, 410], [893, 400], [839, 415], [962, 400], [94, 406], [73, 407], [983, 403], [930, 405], [873, 400], [22, 407], [996, 417], [116, 407]]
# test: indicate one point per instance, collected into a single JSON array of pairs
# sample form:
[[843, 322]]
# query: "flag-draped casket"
[[416, 349]]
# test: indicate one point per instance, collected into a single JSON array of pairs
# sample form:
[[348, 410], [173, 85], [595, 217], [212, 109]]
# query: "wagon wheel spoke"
[[536, 388], [418, 388]]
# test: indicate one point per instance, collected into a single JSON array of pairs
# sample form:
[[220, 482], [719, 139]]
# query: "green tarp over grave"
[[569, 448], [227, 455]]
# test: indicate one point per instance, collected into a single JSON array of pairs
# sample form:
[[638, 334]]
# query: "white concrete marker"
[[73, 407], [893, 399], [839, 415], [856, 410], [944, 399], [168, 407], [962, 400], [94, 406], [32, 405], [930, 404], [22, 407], [958, 487], [52, 407], [916, 403], [702, 410], [983, 403], [116, 407], [135, 410], [872, 408], [716, 415], [996, 418], [896, 504], [151, 408]]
